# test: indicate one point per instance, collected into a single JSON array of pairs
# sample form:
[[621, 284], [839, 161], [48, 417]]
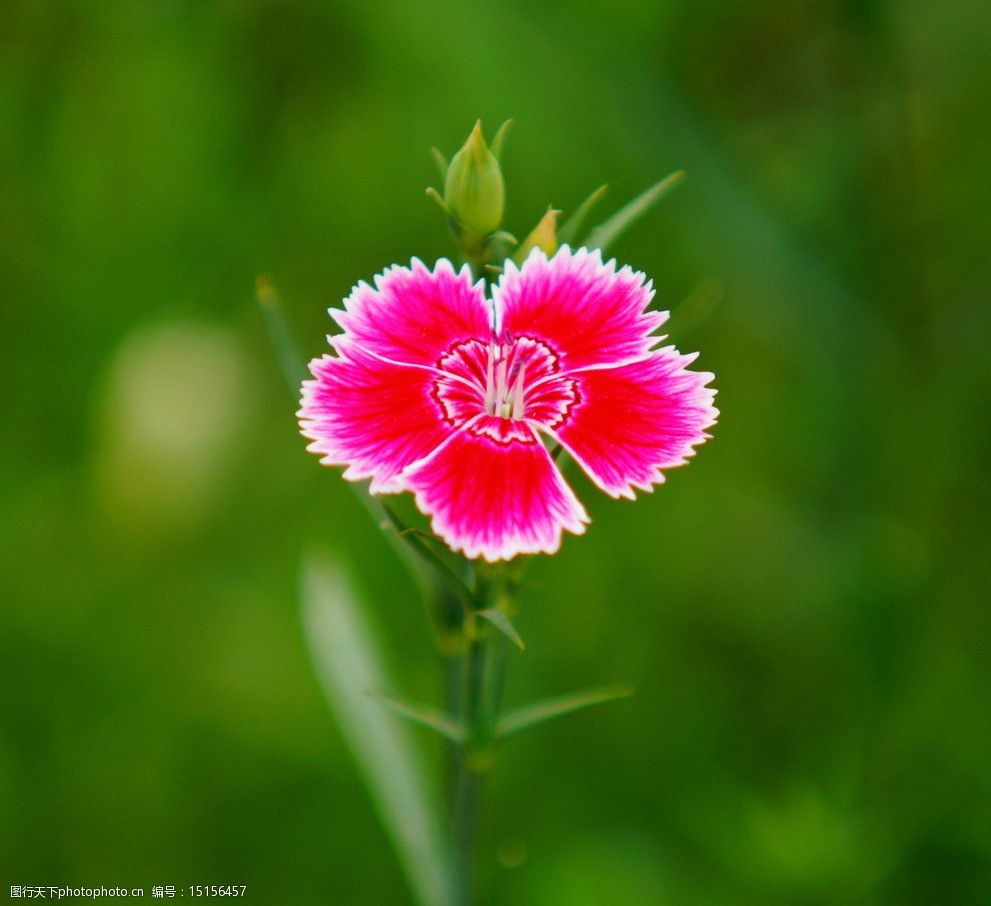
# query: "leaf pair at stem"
[[511, 723]]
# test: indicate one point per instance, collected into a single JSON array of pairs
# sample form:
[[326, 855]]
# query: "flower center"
[[505, 380]]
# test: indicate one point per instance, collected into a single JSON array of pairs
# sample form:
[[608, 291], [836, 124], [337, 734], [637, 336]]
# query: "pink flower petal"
[[493, 491], [586, 311], [414, 315], [634, 420], [373, 416]]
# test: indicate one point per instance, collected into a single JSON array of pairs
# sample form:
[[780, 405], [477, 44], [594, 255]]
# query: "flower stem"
[[483, 670], [470, 775]]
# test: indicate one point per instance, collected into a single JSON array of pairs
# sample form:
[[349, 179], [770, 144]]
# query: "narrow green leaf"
[[538, 712], [501, 622], [606, 233], [424, 716], [435, 195], [348, 664], [423, 543], [499, 139], [286, 350], [441, 162], [452, 222], [574, 223]]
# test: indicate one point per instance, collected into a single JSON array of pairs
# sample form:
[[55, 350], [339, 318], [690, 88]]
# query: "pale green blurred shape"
[[175, 405], [349, 665]]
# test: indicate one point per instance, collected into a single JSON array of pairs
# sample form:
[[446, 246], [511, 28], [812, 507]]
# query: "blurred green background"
[[803, 610]]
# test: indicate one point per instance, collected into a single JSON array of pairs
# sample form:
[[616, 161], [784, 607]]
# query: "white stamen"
[[501, 381], [516, 394], [504, 389], [490, 390]]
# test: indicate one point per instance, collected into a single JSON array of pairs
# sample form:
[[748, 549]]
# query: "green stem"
[[483, 671], [468, 794], [497, 677], [468, 785]]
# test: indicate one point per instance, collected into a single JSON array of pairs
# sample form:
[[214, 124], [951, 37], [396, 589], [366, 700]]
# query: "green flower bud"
[[543, 237], [473, 191]]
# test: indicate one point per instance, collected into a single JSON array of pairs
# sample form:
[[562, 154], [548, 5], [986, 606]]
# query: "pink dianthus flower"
[[438, 391]]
